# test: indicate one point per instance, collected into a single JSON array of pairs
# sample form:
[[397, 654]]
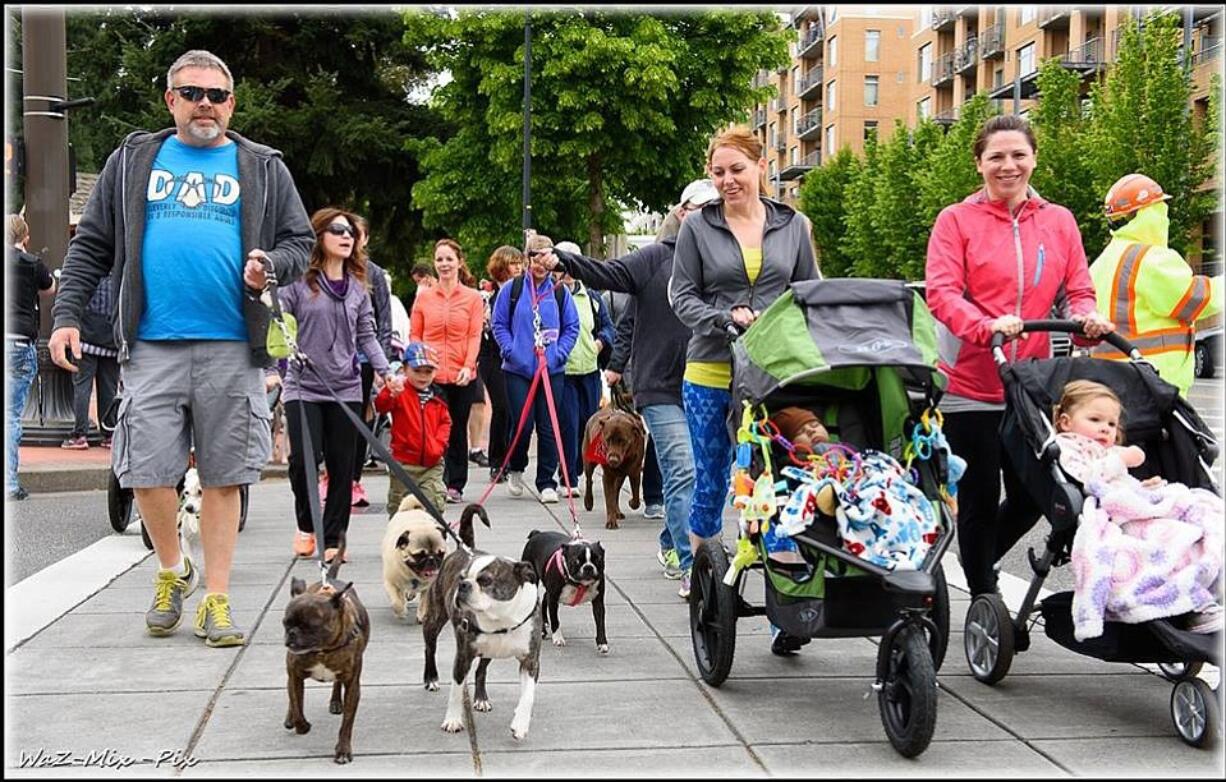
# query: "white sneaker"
[[515, 484], [549, 495]]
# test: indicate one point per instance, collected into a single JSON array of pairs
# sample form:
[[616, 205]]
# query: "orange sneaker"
[[304, 544]]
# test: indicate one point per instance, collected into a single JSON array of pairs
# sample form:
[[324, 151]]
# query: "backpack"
[[517, 290]]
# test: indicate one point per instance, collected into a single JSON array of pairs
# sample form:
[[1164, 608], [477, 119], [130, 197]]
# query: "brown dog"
[[622, 439], [326, 632]]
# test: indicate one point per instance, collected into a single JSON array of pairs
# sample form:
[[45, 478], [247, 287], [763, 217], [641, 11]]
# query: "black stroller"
[[1178, 446]]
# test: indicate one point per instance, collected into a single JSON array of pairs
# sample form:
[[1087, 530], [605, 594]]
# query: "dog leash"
[[393, 466], [539, 378]]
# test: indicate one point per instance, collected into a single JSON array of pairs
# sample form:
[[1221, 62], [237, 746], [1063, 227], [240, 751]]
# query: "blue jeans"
[[671, 435], [546, 449], [580, 399], [706, 412], [22, 368]]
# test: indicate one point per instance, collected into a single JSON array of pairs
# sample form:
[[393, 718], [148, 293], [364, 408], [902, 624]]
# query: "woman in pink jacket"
[[1001, 256], [447, 317]]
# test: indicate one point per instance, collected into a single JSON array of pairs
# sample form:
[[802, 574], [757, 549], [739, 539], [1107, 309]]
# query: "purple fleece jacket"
[[330, 331]]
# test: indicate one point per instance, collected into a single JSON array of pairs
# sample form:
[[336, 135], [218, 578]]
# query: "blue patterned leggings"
[[706, 412]]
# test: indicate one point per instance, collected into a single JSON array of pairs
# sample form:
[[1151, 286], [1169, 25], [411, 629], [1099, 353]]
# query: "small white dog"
[[189, 512]]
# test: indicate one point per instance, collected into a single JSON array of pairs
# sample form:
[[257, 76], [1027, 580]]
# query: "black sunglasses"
[[340, 230], [196, 94], [539, 253]]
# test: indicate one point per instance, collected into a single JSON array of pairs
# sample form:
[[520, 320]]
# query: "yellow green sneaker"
[[169, 590], [214, 624]]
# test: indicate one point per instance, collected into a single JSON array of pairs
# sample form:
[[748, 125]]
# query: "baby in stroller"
[[1144, 549]]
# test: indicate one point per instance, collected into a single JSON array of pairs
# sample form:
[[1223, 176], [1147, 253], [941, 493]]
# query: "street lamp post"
[[527, 183], [48, 415]]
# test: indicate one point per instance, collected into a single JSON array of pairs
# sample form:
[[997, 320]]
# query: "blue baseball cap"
[[419, 354]]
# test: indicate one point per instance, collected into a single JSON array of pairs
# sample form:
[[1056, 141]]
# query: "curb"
[[49, 479]]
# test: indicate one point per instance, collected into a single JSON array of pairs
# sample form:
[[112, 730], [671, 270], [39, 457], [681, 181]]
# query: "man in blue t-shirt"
[[185, 220]]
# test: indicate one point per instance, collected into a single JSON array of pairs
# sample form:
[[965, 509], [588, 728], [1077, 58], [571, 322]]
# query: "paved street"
[[84, 677]]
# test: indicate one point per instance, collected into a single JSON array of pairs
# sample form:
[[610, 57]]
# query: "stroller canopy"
[[832, 332]]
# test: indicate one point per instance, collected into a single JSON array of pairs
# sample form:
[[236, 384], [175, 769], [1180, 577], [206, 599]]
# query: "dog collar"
[[558, 563], [472, 626]]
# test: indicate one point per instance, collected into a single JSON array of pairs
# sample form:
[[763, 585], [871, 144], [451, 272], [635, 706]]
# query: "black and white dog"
[[493, 605], [572, 572]]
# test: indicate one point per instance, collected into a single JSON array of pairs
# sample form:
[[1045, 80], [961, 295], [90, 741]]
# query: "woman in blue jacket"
[[515, 333]]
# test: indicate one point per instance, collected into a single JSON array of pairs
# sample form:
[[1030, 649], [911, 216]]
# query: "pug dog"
[[413, 549], [326, 632], [493, 604]]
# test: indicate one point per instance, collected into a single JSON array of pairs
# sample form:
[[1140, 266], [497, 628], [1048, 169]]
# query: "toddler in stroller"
[[1176, 445], [1144, 549]]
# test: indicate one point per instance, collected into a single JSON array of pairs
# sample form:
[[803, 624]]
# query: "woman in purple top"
[[335, 318]]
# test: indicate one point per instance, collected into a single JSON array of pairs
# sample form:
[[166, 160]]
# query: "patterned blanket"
[[1144, 553]]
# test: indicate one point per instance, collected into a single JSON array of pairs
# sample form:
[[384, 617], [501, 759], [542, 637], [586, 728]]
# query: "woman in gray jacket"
[[733, 259]]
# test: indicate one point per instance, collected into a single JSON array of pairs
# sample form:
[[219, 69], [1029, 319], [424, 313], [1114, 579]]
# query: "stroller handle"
[[1068, 327]]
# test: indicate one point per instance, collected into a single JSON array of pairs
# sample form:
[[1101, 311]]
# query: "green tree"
[[823, 198], [622, 107], [331, 90], [859, 243], [950, 174], [898, 222], [1139, 121]]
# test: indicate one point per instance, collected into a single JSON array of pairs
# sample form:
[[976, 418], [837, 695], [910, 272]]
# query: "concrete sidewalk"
[[85, 678]]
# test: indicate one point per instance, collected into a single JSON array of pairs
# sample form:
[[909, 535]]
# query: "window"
[[925, 63], [830, 139], [870, 129], [870, 90], [1025, 60], [998, 77], [832, 13], [772, 169], [830, 95], [925, 17], [924, 109], [796, 78], [793, 156], [773, 135], [1025, 14], [872, 45], [832, 52]]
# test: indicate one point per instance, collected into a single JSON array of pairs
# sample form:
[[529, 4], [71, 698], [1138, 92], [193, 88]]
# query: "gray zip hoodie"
[[709, 276], [111, 233]]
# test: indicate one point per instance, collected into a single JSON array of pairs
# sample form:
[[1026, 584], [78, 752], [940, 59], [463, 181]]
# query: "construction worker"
[[1147, 288]]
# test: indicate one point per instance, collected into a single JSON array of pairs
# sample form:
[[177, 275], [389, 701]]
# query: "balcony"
[[1053, 17], [806, 12], [759, 118], [946, 118], [1210, 48], [810, 45], [810, 125], [967, 56], [1087, 58], [778, 105], [793, 170], [992, 42], [781, 144], [943, 70], [943, 18], [810, 84]]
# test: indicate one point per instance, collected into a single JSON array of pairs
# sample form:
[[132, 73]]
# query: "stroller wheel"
[[242, 508], [119, 505], [1174, 672], [144, 536], [712, 614], [908, 695], [988, 638], [1196, 713]]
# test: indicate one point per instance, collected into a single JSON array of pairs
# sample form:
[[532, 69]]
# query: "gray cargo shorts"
[[192, 392]]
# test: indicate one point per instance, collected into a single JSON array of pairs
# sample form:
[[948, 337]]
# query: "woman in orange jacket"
[[448, 317]]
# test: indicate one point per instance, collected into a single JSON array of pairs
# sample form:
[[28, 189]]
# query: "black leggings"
[[987, 528], [360, 445], [455, 464], [489, 367], [332, 435]]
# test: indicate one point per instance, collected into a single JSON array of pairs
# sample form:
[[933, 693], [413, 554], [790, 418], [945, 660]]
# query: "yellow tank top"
[[718, 374]]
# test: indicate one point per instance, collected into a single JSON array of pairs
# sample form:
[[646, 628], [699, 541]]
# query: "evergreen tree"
[[823, 199]]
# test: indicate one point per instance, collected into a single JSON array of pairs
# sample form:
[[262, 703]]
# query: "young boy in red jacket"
[[420, 427]]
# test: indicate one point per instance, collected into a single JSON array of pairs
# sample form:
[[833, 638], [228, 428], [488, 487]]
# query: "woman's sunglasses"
[[340, 230], [196, 94]]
